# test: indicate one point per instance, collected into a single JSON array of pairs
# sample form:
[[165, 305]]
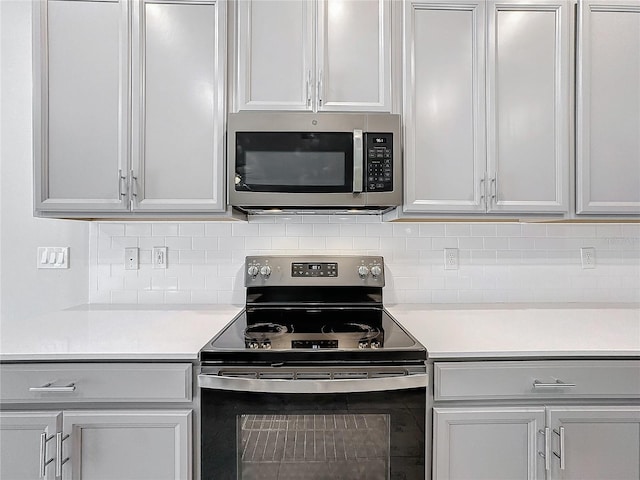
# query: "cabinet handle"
[[122, 184], [320, 89], [560, 455], [48, 387], [547, 448], [308, 89], [482, 191], [43, 454], [556, 384], [494, 190], [133, 180], [59, 461]]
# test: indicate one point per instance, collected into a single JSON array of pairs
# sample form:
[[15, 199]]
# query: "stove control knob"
[[266, 345], [252, 271], [375, 344], [265, 271], [363, 271], [254, 345], [362, 345], [376, 270]]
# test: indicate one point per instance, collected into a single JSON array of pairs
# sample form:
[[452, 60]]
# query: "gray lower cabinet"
[[536, 420], [97, 444], [21, 444], [488, 443], [96, 421]]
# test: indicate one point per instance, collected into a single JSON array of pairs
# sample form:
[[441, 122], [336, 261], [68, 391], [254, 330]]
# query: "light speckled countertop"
[[108, 332]]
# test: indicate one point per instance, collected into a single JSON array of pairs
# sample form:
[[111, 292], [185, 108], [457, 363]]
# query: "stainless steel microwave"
[[289, 161]]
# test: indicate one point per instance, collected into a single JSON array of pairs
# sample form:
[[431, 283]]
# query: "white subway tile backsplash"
[[164, 230], [499, 262], [191, 229]]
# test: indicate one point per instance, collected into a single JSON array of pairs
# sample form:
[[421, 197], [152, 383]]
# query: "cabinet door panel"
[[275, 65], [20, 443], [128, 445], [528, 98], [608, 108], [179, 107], [599, 442], [488, 443], [80, 105], [354, 55], [444, 109]]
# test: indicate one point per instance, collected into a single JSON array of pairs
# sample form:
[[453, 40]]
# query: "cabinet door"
[[178, 106], [81, 52], [128, 445], [275, 55], [444, 106], [488, 443], [595, 443], [608, 107], [20, 444], [528, 75], [354, 55]]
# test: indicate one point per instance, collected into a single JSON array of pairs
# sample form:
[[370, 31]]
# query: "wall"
[[24, 290], [499, 262]]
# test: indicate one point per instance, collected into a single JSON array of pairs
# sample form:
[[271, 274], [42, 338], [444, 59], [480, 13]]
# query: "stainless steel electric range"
[[314, 378]]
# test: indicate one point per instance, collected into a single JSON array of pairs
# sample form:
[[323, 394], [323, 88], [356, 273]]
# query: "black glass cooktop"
[[313, 334]]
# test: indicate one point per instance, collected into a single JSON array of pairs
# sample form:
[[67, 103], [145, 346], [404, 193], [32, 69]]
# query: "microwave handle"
[[358, 161]]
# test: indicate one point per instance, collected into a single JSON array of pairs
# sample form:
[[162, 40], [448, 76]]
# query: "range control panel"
[[379, 161], [314, 270]]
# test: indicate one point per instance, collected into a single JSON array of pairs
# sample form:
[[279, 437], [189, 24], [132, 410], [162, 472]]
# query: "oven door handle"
[[239, 384]]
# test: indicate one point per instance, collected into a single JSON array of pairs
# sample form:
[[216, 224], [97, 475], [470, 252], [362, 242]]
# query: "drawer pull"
[[556, 384], [43, 454], [49, 387]]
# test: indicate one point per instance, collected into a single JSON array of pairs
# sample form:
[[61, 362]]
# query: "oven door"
[[332, 427]]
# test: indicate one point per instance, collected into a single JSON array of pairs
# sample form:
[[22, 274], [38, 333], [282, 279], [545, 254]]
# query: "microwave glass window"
[[296, 162], [295, 168]]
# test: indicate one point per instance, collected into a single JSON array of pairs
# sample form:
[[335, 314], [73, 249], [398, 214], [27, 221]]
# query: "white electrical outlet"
[[450, 258], [588, 257], [159, 257], [53, 257], [131, 258]]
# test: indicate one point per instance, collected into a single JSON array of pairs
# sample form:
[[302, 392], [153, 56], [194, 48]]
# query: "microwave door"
[[299, 162]]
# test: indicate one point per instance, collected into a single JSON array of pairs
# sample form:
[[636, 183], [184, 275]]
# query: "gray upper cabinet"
[[320, 55], [608, 107], [487, 125], [178, 106], [444, 119], [80, 105], [129, 107]]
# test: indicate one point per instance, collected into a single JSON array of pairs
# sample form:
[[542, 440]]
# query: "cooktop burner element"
[[313, 308]]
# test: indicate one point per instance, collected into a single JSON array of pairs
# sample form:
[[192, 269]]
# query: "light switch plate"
[[53, 257]]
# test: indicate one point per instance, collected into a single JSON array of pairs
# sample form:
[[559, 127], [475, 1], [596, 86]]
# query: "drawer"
[[536, 379], [96, 382]]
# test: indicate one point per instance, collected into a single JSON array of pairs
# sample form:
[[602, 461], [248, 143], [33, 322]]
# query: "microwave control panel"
[[379, 162]]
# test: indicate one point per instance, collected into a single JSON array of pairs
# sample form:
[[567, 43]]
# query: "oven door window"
[[348, 436], [313, 446], [294, 162]]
